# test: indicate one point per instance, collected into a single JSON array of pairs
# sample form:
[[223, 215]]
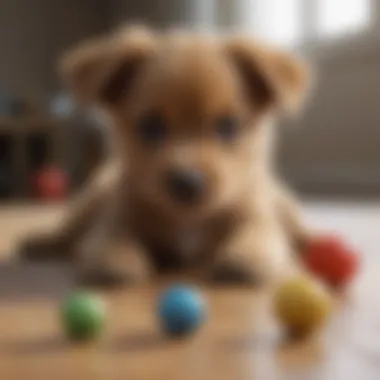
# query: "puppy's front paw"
[[120, 265], [232, 272], [103, 277]]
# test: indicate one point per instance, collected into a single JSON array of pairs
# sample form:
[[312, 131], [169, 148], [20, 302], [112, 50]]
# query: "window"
[[291, 22], [341, 16], [279, 20]]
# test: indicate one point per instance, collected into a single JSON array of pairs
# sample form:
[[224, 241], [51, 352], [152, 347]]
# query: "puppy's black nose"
[[185, 185]]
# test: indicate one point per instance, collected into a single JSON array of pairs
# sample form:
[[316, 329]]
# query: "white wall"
[[338, 143]]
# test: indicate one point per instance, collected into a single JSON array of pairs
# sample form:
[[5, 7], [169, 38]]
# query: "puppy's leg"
[[256, 253], [57, 242], [104, 261], [108, 254]]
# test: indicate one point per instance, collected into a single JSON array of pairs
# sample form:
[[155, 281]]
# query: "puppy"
[[190, 183]]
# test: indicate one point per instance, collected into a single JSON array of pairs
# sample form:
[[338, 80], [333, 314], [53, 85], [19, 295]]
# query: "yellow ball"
[[302, 306]]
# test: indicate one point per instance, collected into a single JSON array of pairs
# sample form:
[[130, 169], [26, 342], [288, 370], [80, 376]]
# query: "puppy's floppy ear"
[[101, 71], [270, 77]]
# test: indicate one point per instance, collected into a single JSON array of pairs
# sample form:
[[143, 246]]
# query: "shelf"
[[11, 125]]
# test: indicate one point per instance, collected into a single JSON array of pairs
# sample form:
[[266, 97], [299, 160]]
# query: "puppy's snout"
[[185, 185]]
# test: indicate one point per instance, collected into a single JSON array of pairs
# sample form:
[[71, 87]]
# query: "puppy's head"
[[189, 112]]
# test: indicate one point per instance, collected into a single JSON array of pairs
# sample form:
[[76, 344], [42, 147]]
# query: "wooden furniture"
[[29, 143], [26, 144], [240, 340]]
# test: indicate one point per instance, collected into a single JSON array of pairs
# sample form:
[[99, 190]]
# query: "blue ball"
[[181, 310]]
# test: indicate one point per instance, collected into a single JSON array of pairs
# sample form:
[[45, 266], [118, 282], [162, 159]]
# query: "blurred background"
[[48, 147]]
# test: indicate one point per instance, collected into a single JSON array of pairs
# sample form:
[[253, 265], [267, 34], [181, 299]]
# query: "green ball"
[[83, 316]]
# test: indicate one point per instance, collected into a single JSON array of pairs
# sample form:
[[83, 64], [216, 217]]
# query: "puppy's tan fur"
[[124, 225]]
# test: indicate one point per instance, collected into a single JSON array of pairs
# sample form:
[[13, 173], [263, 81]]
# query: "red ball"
[[51, 183], [331, 260]]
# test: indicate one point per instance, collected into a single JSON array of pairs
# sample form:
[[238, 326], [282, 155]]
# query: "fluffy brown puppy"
[[191, 182]]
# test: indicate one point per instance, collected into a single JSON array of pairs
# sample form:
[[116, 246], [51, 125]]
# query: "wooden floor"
[[239, 341]]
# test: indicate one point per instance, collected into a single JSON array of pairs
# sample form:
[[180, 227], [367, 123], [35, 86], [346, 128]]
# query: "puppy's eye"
[[152, 128], [228, 127]]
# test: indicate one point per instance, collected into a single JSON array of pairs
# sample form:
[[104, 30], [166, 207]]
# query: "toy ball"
[[51, 183], [181, 310], [301, 306], [83, 316], [329, 259]]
